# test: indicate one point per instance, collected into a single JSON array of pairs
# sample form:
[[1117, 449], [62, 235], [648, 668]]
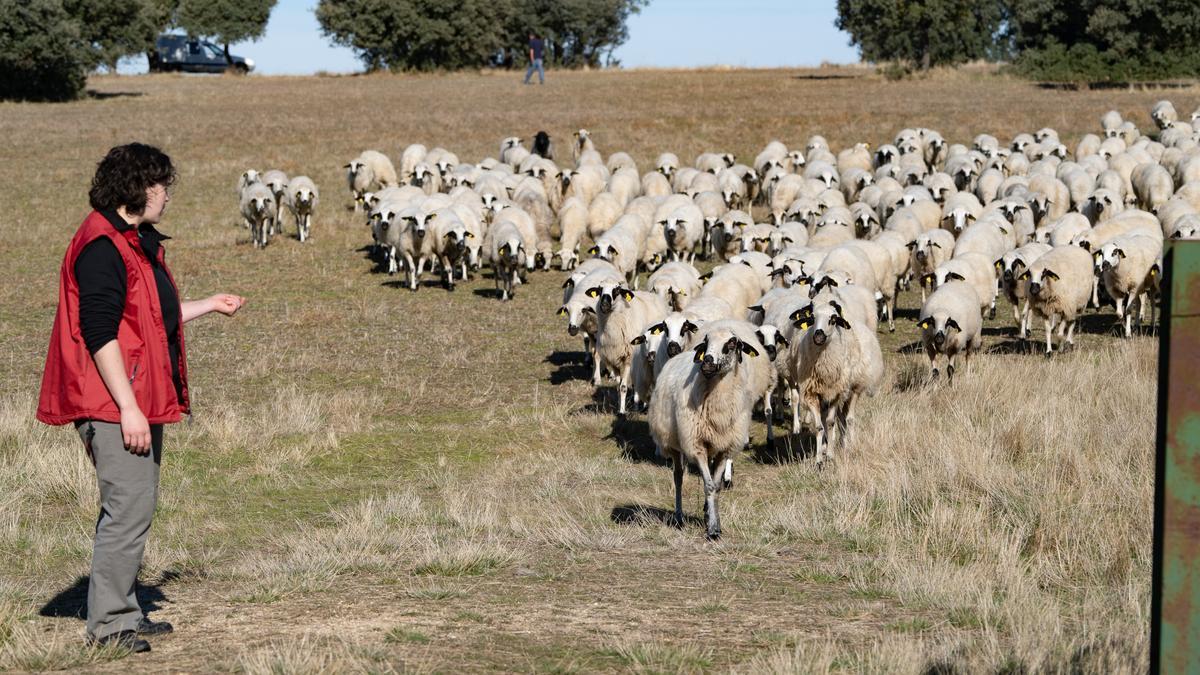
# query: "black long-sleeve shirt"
[[100, 273]]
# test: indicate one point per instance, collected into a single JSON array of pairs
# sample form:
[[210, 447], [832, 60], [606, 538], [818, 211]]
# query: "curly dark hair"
[[124, 175]]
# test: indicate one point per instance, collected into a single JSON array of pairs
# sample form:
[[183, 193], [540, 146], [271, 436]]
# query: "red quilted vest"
[[71, 386]]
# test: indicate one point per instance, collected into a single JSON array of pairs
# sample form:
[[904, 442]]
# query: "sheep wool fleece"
[[128, 495]]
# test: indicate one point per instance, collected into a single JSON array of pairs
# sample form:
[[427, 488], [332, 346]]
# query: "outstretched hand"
[[226, 303]]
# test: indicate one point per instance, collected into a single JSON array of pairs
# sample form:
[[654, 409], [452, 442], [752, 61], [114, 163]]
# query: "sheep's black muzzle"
[[674, 349], [670, 235], [940, 338], [572, 330], [921, 255], [1105, 266], [708, 367], [819, 337], [1035, 288], [605, 304], [771, 352]]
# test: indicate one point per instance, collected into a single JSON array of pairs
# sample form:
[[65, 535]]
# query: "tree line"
[[47, 47], [1081, 40]]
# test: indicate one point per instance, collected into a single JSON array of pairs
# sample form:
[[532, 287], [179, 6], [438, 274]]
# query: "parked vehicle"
[[190, 55]]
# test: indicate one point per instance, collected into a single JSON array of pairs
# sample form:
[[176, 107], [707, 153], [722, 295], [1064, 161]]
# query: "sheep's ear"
[[568, 283], [562, 311], [627, 294], [1119, 252], [935, 244], [595, 250], [925, 324], [658, 329], [1050, 275], [700, 349], [469, 235], [778, 272], [837, 307], [589, 310], [746, 263], [1085, 245], [1154, 270], [688, 328], [593, 292], [1024, 277], [747, 349], [801, 313], [781, 340], [344, 167], [840, 322], [999, 265], [755, 308], [951, 323], [641, 339], [802, 281], [955, 275], [703, 277], [911, 245]]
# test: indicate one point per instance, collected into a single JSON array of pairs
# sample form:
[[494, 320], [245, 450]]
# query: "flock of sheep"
[[790, 312], [262, 198]]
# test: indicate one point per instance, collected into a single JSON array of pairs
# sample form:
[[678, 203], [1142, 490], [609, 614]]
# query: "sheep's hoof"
[[1049, 353], [714, 535], [991, 313], [727, 483]]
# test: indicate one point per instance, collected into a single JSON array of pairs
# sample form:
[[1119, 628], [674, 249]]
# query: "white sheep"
[[667, 164], [413, 240], [257, 205], [1163, 113], [301, 199], [603, 213], [277, 181], [1059, 285], [1010, 267], [622, 316], [834, 361], [579, 307], [976, 269], [1124, 264], [583, 143], [622, 246], [929, 250], [676, 282], [700, 413], [371, 170], [572, 223], [683, 229], [509, 254], [1152, 185], [951, 324]]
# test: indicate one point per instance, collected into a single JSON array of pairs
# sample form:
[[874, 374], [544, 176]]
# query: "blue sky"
[[667, 33]]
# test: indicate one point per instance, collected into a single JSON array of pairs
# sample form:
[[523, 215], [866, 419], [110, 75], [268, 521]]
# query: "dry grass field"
[[378, 480]]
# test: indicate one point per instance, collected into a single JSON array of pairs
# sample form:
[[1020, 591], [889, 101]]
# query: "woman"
[[117, 370]]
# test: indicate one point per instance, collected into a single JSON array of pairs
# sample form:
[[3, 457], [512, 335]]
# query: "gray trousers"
[[128, 495]]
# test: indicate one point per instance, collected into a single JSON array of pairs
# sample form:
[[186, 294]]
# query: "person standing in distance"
[[537, 48], [116, 369]]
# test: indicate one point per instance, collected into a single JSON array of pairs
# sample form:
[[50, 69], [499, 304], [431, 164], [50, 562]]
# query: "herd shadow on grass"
[[71, 602]]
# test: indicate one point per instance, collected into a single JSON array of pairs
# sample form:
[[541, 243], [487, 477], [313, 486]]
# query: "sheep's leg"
[[678, 469], [1096, 293], [1018, 318], [1071, 332], [794, 402], [712, 518], [829, 426], [410, 270], [623, 388], [1128, 319], [596, 371], [950, 369], [1049, 336], [932, 354], [769, 414], [727, 474], [846, 417], [891, 313]]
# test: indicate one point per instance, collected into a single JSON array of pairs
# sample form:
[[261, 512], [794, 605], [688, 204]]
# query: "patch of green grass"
[[433, 593], [402, 635], [461, 565]]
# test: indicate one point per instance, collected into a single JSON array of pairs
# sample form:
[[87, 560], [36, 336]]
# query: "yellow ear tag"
[[803, 325]]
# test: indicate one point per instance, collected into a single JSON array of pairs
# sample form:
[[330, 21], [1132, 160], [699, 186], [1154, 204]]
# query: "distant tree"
[[224, 21], [454, 34], [1105, 39], [417, 34], [580, 32], [42, 55], [923, 33], [112, 29]]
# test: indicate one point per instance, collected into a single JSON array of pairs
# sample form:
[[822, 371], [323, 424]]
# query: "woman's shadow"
[[71, 602]]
